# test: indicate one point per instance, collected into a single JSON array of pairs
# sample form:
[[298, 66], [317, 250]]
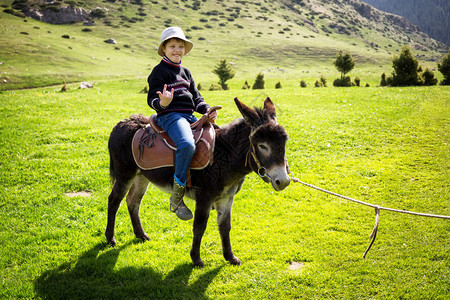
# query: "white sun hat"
[[174, 32]]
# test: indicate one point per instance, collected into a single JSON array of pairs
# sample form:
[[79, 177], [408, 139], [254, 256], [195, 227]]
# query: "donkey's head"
[[266, 155]]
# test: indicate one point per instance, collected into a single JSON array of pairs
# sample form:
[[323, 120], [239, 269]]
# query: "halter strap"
[[261, 171]]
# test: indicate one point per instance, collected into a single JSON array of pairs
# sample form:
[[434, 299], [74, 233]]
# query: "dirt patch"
[[78, 194], [296, 266]]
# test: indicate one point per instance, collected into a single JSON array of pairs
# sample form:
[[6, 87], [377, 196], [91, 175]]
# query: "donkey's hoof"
[[111, 242], [199, 263], [235, 261], [144, 237], [110, 238]]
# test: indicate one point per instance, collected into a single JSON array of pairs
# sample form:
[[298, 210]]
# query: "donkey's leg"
[[200, 221], [118, 192], [223, 208], [134, 199]]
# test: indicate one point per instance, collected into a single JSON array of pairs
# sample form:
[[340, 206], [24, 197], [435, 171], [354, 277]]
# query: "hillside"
[[285, 39], [432, 16]]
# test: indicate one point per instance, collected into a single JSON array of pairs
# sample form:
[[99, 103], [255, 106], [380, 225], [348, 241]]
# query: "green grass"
[[387, 146]]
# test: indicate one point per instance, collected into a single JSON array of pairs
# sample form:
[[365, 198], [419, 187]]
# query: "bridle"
[[261, 171]]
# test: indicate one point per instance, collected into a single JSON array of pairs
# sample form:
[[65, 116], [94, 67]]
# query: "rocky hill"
[[432, 16], [347, 17], [294, 36]]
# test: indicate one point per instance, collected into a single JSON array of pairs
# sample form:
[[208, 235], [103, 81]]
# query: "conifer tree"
[[259, 82], [406, 69], [344, 63], [225, 73]]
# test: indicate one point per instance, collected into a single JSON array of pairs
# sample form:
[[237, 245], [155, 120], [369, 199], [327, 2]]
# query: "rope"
[[378, 208]]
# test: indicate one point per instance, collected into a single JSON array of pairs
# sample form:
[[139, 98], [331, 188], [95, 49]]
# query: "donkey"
[[255, 143]]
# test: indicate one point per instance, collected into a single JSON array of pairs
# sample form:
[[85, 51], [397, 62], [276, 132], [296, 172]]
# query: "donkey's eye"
[[262, 147]]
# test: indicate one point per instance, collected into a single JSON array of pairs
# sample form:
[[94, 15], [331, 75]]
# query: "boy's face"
[[174, 49]]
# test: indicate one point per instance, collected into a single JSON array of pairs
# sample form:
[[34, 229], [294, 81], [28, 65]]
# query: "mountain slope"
[[432, 16], [286, 38]]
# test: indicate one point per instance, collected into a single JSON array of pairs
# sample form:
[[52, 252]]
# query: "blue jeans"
[[178, 126]]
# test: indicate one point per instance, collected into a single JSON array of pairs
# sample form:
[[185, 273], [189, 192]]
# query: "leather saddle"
[[153, 148]]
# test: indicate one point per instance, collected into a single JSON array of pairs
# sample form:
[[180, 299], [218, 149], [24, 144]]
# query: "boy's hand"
[[212, 116], [166, 96], [212, 113]]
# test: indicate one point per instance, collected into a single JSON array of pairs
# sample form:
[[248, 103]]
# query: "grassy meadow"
[[387, 146]]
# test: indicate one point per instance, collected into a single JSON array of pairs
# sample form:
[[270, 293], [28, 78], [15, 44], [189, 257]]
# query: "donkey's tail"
[[119, 145], [112, 173]]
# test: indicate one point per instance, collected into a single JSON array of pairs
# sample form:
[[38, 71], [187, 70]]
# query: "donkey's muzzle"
[[279, 178], [281, 184]]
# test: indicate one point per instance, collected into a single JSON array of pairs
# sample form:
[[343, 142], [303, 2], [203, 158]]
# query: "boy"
[[174, 96]]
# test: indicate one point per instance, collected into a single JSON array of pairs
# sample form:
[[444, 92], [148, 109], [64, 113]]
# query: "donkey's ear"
[[249, 114], [269, 109]]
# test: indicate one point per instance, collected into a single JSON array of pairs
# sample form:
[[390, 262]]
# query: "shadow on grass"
[[94, 277]]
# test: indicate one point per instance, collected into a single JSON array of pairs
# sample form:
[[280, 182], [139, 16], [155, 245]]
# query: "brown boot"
[[177, 205]]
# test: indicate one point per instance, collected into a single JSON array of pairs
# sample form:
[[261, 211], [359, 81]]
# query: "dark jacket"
[[186, 97]]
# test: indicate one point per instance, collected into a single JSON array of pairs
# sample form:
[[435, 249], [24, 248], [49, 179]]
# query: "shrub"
[[97, 13], [215, 87], [341, 82], [323, 80], [259, 82], [444, 68], [303, 84], [428, 77], [278, 85], [144, 90], [71, 3], [64, 87], [199, 87], [389, 81], [318, 83], [383, 81], [246, 86], [357, 81], [14, 12], [19, 4]]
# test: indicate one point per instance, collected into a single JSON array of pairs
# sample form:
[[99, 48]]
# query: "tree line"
[[407, 72]]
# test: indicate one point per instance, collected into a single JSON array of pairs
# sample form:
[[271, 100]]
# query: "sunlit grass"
[[387, 146]]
